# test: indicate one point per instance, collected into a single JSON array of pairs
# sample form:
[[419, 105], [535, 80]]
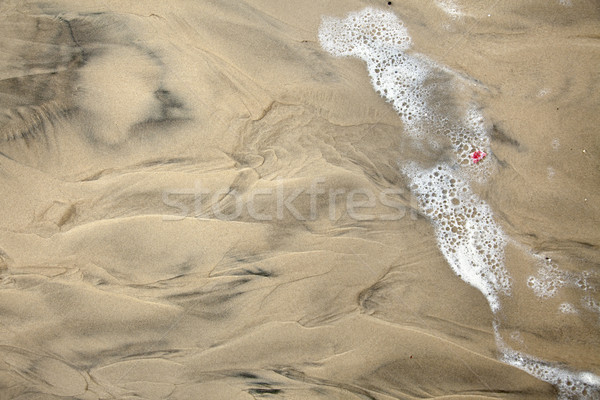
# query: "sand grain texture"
[[116, 281]]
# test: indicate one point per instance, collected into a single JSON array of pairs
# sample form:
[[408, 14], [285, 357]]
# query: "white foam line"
[[570, 384], [470, 240]]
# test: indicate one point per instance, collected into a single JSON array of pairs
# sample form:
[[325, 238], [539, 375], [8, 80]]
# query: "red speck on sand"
[[478, 156]]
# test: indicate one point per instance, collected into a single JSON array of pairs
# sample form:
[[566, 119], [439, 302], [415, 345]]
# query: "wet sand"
[[199, 201]]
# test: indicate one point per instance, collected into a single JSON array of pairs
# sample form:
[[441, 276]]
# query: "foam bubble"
[[543, 92]]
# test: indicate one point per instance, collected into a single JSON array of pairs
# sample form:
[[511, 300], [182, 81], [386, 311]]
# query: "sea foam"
[[467, 235], [469, 238], [570, 384]]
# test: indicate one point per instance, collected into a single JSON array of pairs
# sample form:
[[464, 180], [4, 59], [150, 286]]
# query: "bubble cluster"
[[363, 31], [570, 384], [381, 40], [467, 234], [467, 138], [567, 308], [550, 279]]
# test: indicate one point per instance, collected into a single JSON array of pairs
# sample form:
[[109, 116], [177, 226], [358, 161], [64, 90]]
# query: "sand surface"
[[198, 201]]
